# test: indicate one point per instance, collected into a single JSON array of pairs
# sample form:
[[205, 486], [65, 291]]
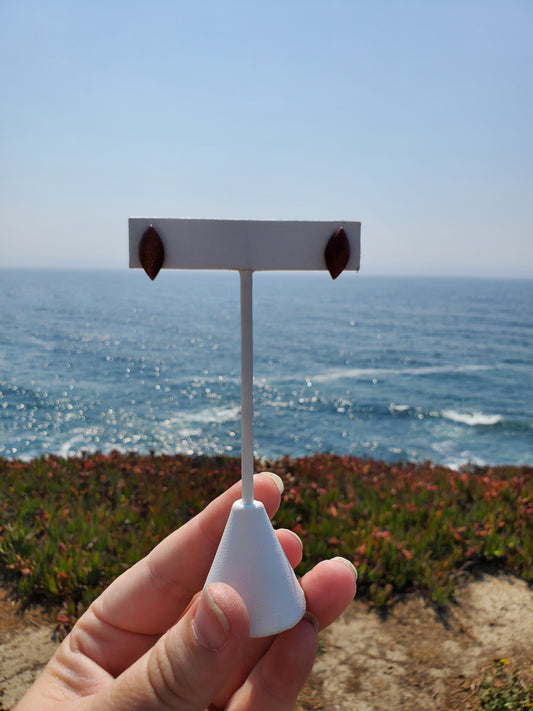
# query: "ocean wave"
[[215, 414], [455, 458], [358, 373], [208, 415], [398, 408], [472, 419]]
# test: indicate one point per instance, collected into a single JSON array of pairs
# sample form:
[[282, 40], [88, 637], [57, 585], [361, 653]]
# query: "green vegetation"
[[504, 691], [69, 526]]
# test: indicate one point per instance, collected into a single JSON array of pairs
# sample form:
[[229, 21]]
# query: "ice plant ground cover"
[[502, 691], [69, 526]]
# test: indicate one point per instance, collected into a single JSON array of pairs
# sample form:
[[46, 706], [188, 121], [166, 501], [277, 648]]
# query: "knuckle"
[[172, 690]]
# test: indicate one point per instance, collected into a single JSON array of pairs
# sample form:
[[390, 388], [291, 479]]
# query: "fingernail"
[[312, 619], [348, 565], [276, 479], [210, 624]]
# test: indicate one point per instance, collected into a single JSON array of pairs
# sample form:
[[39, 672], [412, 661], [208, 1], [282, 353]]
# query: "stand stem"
[[247, 398]]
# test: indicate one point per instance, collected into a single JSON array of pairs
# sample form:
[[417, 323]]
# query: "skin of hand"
[[155, 641]]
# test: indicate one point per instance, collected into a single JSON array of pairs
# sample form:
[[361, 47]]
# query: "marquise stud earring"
[[337, 252], [151, 252]]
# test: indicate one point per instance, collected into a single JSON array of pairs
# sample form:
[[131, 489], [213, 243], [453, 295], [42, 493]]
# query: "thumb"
[[190, 663]]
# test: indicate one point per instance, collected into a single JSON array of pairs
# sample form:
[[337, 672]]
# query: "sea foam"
[[472, 419]]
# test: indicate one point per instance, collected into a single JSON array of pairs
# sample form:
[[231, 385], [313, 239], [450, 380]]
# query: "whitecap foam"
[[398, 408], [472, 419], [215, 414], [80, 440], [208, 415], [358, 373], [453, 457]]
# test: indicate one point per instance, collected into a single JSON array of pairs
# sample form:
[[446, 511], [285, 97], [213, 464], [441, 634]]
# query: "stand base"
[[251, 560]]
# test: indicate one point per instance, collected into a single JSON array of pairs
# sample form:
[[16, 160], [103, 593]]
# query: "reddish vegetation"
[[69, 526]]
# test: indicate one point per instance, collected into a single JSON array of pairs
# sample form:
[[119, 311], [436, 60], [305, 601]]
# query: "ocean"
[[392, 368]]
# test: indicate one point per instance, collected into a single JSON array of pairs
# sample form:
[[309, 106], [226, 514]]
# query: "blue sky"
[[414, 117]]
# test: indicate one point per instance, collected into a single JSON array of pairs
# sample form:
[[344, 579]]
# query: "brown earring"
[[151, 252], [337, 253]]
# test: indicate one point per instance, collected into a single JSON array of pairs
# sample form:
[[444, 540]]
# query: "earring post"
[[247, 377]]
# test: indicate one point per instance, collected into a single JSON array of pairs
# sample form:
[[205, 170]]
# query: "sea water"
[[392, 368]]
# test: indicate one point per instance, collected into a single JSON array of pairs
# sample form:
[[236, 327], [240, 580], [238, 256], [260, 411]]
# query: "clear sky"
[[414, 117]]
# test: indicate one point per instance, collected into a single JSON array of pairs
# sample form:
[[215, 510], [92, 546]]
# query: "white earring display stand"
[[251, 560], [249, 557]]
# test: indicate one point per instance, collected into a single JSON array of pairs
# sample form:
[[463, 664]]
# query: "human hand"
[[153, 642]]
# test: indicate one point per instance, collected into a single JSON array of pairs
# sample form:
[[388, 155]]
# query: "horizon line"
[[360, 273]]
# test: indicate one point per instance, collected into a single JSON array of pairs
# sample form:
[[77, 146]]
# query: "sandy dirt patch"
[[27, 641], [410, 659], [415, 659]]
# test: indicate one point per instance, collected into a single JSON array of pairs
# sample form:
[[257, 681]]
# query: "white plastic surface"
[[247, 387], [243, 244], [251, 560]]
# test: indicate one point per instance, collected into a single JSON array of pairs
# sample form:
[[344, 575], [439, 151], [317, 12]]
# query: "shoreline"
[[260, 463]]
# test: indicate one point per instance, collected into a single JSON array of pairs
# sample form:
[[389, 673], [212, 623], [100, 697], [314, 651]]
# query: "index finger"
[[164, 582]]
